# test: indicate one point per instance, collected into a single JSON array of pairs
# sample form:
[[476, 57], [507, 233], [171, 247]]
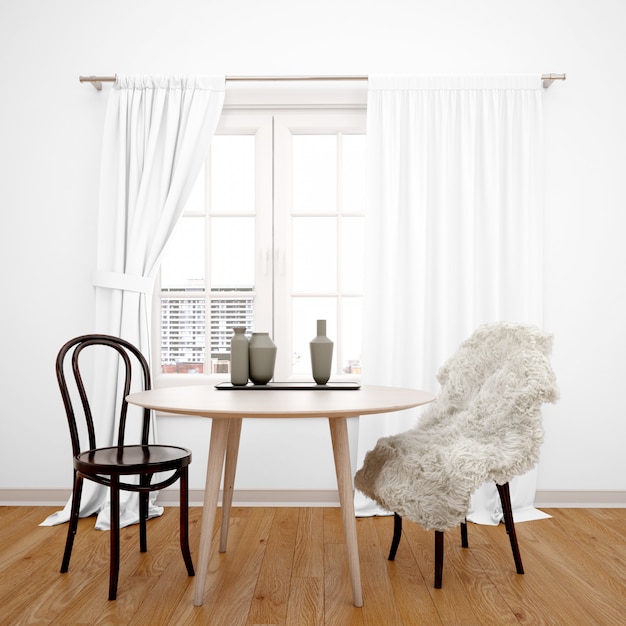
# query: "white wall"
[[50, 137]]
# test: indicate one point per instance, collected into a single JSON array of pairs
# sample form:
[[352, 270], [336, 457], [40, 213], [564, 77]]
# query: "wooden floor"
[[288, 566]]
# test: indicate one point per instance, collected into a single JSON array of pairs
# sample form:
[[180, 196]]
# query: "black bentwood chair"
[[117, 466]]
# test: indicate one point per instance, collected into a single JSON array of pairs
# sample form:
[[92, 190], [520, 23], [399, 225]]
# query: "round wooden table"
[[227, 408]]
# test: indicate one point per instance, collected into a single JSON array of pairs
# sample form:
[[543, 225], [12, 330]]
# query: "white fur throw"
[[484, 425]]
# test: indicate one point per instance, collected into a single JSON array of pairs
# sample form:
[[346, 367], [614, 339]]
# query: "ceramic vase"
[[321, 354], [262, 357], [239, 357]]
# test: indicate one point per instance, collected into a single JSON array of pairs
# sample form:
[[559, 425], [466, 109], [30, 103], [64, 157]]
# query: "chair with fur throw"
[[484, 425]]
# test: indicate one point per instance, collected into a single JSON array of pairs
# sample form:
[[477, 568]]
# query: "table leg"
[[341, 451], [232, 450], [217, 449]]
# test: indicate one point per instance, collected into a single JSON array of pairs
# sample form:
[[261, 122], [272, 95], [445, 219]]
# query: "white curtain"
[[454, 233], [157, 134]]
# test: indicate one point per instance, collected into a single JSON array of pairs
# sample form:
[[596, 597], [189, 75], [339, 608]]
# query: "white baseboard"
[[609, 499], [34, 497], [259, 497], [170, 497], [573, 499]]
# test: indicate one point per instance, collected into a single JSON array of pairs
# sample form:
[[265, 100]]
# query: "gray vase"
[[262, 357], [321, 354], [239, 357]]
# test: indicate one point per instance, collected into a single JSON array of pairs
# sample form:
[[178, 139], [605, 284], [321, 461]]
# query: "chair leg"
[[115, 537], [438, 558], [143, 514], [397, 534], [464, 542], [184, 520], [73, 522], [507, 509]]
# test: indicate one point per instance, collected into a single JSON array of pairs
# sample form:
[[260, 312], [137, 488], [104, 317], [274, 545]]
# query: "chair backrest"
[[491, 394], [499, 357], [133, 373]]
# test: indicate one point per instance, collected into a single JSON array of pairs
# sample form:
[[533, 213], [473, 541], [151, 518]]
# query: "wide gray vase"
[[321, 354], [262, 358]]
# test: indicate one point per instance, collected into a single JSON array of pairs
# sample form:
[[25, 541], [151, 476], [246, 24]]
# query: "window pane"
[[227, 311], [352, 251], [354, 173], [183, 323], [305, 313], [183, 260], [232, 173], [232, 252], [314, 254], [314, 173]]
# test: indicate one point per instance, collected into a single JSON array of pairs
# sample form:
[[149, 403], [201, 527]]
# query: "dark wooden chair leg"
[[73, 522], [184, 520], [464, 543], [397, 535], [143, 514], [438, 558], [507, 509], [115, 538]]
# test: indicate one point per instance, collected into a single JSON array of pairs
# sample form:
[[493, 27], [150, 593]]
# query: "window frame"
[[246, 111]]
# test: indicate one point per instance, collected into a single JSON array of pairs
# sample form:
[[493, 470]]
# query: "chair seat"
[[132, 459]]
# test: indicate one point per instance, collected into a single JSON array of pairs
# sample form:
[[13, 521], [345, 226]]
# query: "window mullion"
[[282, 253], [264, 229]]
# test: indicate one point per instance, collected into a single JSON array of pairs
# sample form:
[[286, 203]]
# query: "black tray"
[[330, 386]]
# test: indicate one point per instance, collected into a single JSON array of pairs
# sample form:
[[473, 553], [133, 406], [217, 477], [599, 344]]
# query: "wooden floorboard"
[[289, 566]]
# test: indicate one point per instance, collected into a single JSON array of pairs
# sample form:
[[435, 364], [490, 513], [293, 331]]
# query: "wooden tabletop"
[[206, 401]]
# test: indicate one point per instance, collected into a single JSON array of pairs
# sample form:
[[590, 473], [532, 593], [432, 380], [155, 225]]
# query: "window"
[[271, 239]]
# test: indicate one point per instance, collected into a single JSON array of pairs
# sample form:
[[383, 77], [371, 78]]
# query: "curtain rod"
[[97, 81]]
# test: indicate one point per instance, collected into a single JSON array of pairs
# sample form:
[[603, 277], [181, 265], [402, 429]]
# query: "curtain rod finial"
[[94, 80], [548, 79]]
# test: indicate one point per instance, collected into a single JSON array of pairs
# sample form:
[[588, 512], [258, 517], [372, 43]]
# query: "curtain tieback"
[[124, 282]]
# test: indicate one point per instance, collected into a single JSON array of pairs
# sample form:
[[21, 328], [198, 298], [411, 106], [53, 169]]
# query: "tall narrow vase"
[[262, 356], [239, 357], [321, 354]]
